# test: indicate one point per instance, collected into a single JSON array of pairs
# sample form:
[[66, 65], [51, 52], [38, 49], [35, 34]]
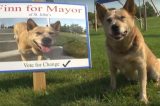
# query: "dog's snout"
[[115, 28], [46, 41]]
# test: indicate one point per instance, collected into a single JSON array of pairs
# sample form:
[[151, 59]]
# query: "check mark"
[[65, 65]]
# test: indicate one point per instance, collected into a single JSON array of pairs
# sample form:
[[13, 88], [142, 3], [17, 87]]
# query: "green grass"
[[73, 45], [76, 48], [88, 87]]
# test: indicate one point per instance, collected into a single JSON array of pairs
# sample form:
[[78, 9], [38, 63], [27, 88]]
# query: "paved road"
[[9, 52]]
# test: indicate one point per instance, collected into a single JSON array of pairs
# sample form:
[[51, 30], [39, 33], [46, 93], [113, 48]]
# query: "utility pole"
[[145, 16], [95, 16], [140, 15]]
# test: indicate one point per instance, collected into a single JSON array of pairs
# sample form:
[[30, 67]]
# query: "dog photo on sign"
[[35, 39]]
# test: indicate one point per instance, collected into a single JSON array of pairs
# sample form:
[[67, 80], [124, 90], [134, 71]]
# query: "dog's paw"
[[144, 100]]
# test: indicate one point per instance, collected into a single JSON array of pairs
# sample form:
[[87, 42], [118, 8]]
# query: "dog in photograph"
[[126, 48], [35, 39]]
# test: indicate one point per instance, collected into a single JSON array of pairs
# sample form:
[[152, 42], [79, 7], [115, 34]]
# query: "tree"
[[91, 18], [65, 28], [2, 26], [150, 10], [75, 28]]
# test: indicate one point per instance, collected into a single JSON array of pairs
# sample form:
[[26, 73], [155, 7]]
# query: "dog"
[[126, 48], [33, 38]]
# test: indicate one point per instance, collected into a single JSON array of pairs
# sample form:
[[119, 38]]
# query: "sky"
[[41, 21], [116, 4], [89, 3]]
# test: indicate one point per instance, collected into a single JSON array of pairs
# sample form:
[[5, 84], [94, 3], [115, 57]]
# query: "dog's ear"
[[101, 11], [31, 24], [56, 26], [130, 7]]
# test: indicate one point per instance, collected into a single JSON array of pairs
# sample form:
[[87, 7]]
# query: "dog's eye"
[[122, 17], [51, 33], [109, 20], [39, 33]]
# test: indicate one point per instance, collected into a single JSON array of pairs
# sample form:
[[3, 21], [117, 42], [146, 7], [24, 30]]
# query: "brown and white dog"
[[34, 38], [126, 48]]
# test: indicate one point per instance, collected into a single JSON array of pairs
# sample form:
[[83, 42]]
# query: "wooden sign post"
[[39, 79], [39, 82]]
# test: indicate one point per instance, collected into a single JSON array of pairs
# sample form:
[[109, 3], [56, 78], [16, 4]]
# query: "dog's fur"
[[126, 48], [33, 38]]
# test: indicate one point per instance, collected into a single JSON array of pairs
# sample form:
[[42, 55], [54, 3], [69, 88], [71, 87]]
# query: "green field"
[[89, 87], [73, 45]]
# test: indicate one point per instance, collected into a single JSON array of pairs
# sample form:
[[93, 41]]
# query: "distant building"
[[2, 26]]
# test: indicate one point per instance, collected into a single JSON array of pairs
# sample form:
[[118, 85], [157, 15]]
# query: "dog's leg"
[[23, 53], [23, 57], [39, 57], [154, 75], [113, 72], [157, 71], [142, 72], [154, 72]]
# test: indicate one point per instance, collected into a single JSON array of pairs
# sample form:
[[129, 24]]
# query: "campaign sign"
[[43, 36]]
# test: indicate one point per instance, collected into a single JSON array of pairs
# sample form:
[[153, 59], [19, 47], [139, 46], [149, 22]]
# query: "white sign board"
[[43, 36]]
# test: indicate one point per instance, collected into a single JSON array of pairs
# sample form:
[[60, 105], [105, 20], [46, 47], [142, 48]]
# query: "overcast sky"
[[116, 4], [90, 3]]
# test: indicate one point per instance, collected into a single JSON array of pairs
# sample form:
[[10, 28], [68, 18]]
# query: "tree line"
[[73, 28], [149, 8]]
